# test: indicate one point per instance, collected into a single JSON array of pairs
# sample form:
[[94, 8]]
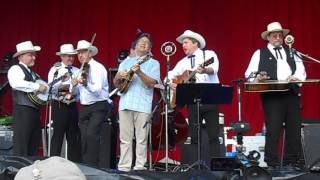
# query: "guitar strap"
[[28, 74], [204, 56]]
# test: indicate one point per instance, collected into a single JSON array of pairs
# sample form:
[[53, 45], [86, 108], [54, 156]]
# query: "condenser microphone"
[[168, 48], [289, 40]]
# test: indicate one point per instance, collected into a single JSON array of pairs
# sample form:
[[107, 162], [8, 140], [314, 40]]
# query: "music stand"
[[202, 93]]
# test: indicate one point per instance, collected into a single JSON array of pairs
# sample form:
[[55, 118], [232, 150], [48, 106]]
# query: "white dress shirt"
[[57, 72], [185, 64], [283, 68], [97, 88], [16, 79]]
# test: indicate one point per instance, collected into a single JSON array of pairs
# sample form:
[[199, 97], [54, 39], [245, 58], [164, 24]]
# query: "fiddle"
[[84, 73]]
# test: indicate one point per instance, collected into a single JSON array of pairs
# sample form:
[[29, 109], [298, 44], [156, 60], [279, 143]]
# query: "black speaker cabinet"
[[311, 143]]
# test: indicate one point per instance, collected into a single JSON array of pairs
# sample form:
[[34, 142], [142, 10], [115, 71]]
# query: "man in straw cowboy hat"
[[275, 63], [64, 108], [95, 106], [135, 105], [193, 44], [27, 127]]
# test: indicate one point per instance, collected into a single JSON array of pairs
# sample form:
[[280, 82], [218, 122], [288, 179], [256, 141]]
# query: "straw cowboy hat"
[[83, 44], [191, 34], [274, 27], [25, 47], [66, 49]]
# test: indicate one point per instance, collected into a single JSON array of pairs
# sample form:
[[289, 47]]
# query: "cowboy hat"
[[25, 47], [66, 49], [274, 27], [83, 44], [191, 34]]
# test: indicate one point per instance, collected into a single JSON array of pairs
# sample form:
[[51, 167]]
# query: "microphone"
[[168, 48], [289, 40]]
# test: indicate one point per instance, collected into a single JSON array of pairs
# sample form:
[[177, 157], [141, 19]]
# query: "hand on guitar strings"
[[292, 78], [43, 88], [262, 76], [123, 74], [66, 77], [201, 69], [136, 68]]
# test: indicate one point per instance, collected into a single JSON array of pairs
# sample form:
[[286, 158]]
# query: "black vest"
[[20, 97], [268, 63]]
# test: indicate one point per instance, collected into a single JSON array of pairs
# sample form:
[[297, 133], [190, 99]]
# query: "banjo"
[[40, 99]]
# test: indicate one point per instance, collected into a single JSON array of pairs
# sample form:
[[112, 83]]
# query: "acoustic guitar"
[[186, 77], [273, 85]]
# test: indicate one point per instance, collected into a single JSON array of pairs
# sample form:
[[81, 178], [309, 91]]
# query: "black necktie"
[[277, 50], [191, 57], [69, 70]]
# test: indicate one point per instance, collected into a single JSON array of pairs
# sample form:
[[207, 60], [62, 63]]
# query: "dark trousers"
[[91, 118], [282, 108], [211, 115], [26, 130], [65, 122]]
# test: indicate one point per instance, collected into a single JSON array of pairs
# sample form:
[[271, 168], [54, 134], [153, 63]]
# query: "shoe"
[[124, 169], [139, 168]]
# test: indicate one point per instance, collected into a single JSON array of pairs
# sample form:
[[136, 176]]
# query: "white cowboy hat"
[[191, 34], [274, 27], [66, 49], [83, 44], [25, 47]]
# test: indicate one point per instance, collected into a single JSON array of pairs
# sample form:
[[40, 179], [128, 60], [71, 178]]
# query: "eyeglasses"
[[276, 35]]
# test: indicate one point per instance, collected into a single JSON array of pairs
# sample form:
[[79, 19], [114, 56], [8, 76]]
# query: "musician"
[[135, 104], [95, 106], [275, 63], [193, 44], [64, 107], [26, 115]]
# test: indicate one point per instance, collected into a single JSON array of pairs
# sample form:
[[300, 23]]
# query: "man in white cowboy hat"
[[136, 103], [274, 62], [193, 45], [27, 127], [64, 107], [95, 103]]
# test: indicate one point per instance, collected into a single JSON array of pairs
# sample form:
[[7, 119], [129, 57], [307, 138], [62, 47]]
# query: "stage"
[[9, 166]]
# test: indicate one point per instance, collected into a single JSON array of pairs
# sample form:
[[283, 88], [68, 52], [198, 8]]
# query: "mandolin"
[[125, 82]]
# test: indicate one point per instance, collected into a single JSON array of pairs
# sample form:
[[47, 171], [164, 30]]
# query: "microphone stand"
[[167, 49], [49, 103], [298, 53], [167, 95]]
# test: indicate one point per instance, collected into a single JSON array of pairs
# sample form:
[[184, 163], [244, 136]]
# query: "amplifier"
[[6, 143]]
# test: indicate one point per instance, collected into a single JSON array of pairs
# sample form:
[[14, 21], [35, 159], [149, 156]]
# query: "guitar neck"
[[206, 63], [56, 80]]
